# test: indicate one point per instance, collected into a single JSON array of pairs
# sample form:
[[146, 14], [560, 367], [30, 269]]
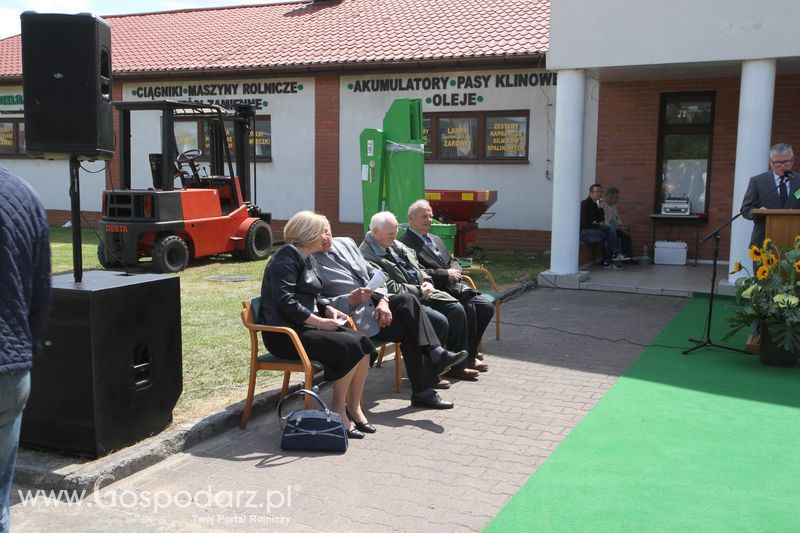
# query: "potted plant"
[[772, 298]]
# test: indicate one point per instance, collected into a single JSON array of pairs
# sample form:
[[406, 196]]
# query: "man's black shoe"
[[448, 359], [430, 401]]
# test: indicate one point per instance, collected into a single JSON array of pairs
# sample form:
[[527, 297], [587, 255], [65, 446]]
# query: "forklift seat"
[[156, 163], [155, 169]]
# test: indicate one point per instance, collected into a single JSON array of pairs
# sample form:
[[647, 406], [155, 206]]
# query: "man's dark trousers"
[[411, 327]]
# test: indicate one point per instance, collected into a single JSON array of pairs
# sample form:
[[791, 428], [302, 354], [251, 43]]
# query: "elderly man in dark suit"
[[774, 189], [405, 276], [445, 270], [345, 274]]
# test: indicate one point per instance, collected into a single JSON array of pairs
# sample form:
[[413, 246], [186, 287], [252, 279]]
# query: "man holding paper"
[[399, 262], [345, 277]]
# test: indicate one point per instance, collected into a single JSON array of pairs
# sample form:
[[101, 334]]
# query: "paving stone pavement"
[[449, 470]]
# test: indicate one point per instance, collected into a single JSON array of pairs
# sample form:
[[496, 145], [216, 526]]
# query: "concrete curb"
[[51, 471]]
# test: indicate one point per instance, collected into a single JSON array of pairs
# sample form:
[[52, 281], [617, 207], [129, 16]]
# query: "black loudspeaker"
[[66, 86], [111, 371]]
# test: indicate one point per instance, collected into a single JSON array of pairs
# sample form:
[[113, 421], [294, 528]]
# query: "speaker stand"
[[75, 206]]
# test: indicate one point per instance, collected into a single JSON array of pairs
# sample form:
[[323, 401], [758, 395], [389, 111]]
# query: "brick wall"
[[89, 219], [326, 147], [628, 141]]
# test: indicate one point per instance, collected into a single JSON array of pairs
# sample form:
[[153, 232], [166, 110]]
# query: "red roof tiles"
[[315, 35]]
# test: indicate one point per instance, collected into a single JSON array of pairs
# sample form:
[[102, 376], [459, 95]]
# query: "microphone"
[[788, 175]]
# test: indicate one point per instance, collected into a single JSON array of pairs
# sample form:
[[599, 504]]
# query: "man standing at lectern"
[[775, 189], [24, 308]]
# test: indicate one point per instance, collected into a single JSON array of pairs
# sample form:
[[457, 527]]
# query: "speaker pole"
[[75, 203]]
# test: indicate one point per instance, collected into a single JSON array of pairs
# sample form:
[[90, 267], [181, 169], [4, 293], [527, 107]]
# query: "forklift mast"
[[243, 126]]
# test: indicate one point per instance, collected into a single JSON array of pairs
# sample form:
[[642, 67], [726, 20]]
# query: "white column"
[[567, 172], [752, 147]]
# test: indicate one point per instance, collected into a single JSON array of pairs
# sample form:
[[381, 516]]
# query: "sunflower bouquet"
[[772, 296]]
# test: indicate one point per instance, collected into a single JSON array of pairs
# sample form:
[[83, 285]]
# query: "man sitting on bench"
[[594, 229]]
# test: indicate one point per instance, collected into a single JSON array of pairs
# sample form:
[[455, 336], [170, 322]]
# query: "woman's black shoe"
[[364, 427], [355, 434]]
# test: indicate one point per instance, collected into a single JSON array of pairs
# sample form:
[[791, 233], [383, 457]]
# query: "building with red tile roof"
[[321, 71], [320, 35]]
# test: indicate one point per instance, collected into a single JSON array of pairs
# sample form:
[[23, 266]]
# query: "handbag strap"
[[302, 392]]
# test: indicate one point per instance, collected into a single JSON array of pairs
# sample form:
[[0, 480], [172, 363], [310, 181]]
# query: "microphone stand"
[[706, 340]]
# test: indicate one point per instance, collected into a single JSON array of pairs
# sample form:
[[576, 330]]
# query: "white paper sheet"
[[378, 279]]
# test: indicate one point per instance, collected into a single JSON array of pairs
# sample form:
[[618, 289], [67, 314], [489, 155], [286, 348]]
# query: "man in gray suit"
[[399, 262], [387, 317], [774, 189]]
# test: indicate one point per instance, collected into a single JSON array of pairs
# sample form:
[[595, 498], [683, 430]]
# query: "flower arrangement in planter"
[[771, 296]]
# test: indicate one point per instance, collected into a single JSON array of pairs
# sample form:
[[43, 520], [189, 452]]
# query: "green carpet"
[[704, 442]]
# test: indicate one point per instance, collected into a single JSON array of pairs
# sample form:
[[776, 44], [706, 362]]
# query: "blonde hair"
[[303, 228]]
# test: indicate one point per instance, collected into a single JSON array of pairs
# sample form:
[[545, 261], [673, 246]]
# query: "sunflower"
[[770, 260], [737, 267], [766, 244], [756, 254], [797, 266], [763, 272]]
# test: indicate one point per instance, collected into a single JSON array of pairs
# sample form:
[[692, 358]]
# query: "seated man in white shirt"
[[612, 218]]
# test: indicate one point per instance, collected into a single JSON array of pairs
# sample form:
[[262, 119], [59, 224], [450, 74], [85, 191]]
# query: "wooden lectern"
[[782, 225]]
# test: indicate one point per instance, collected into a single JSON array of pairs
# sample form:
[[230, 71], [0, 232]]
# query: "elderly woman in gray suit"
[[290, 296]]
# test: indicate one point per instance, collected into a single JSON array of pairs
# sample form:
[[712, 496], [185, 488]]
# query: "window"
[[189, 132], [12, 138], [685, 140], [487, 136], [185, 135]]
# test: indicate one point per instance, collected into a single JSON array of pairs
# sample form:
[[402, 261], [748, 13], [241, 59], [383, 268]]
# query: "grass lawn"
[[215, 347]]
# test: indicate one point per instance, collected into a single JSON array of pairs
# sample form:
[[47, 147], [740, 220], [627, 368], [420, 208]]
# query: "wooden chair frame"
[[494, 293], [398, 363], [288, 366]]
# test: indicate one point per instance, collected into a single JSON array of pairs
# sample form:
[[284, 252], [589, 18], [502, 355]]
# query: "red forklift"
[[208, 212]]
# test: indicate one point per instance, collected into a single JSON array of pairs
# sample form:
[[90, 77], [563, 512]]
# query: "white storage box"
[[670, 253]]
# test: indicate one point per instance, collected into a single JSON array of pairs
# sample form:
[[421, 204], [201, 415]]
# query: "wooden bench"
[[590, 253]]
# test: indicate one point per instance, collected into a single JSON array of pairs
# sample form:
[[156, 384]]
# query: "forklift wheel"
[[258, 242], [106, 262], [170, 254]]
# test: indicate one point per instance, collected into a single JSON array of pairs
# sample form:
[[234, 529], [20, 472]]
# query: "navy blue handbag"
[[312, 430]]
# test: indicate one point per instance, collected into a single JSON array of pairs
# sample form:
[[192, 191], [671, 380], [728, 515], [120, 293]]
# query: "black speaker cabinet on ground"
[[66, 85], [111, 371]]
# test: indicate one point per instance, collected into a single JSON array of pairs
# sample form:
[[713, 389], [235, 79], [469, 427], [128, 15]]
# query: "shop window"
[[426, 136], [185, 136], [476, 137], [684, 151], [457, 138], [506, 137], [188, 134], [12, 138], [263, 139]]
